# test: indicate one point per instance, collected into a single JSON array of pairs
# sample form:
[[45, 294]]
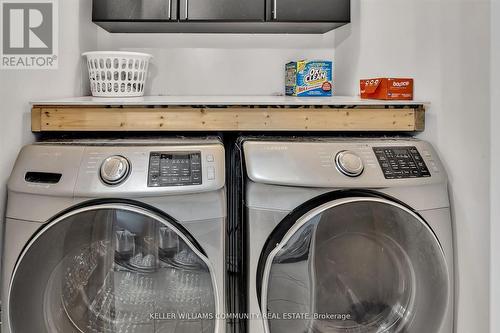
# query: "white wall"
[[219, 64], [495, 167], [18, 88]]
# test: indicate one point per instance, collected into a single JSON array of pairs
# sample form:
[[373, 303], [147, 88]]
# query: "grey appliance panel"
[[210, 205], [222, 10], [312, 163], [56, 159], [309, 11], [286, 198], [80, 170], [123, 10]]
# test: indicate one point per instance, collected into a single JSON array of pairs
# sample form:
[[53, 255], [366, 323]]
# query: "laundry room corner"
[[150, 166], [436, 42], [19, 87]]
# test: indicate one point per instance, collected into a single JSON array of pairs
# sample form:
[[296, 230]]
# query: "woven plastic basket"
[[117, 74]]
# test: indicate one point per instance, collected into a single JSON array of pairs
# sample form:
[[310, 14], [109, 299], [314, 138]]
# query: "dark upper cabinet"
[[222, 10], [134, 10], [225, 16], [308, 11]]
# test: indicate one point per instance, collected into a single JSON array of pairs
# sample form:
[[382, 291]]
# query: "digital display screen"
[[400, 151], [182, 158]]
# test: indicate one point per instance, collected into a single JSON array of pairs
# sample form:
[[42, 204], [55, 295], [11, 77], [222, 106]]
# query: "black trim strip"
[[236, 279], [291, 219]]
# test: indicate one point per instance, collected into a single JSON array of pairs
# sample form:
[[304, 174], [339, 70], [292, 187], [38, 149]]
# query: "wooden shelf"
[[249, 113]]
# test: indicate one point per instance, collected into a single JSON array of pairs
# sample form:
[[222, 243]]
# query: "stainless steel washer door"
[[364, 265], [112, 267]]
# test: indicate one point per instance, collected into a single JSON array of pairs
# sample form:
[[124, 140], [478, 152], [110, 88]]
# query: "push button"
[[210, 158], [211, 173]]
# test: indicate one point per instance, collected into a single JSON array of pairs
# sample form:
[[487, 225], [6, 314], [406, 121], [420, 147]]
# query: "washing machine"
[[116, 236], [347, 235]]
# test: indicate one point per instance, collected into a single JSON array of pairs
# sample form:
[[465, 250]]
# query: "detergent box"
[[387, 88], [309, 78]]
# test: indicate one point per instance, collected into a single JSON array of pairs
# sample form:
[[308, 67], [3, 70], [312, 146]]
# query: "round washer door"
[[112, 268], [364, 265]]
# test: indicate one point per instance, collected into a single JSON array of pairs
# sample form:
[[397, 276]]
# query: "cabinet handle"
[[186, 9], [170, 9], [275, 9]]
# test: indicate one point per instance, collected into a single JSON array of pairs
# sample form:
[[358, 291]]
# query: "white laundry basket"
[[117, 74]]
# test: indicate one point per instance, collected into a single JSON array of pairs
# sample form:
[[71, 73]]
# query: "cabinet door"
[[130, 10], [222, 10], [308, 11]]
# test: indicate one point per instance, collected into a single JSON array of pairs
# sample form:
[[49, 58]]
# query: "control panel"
[[401, 162], [174, 169]]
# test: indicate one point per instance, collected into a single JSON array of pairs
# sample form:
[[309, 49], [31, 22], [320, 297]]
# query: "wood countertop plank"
[[227, 118]]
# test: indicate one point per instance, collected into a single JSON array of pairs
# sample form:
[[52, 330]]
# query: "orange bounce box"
[[387, 88]]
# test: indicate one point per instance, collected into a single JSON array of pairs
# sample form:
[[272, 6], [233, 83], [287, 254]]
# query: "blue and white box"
[[309, 78]]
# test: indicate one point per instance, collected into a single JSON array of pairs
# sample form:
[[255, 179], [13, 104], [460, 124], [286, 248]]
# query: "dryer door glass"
[[361, 265], [112, 268]]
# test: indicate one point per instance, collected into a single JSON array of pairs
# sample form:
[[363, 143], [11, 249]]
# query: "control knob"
[[349, 163], [114, 170]]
